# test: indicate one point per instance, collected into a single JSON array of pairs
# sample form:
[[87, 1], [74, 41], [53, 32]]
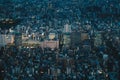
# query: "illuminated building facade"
[[6, 39], [50, 44], [67, 28], [66, 39]]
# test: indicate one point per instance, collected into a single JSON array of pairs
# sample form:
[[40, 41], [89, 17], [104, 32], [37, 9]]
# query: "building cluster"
[[60, 40], [76, 54]]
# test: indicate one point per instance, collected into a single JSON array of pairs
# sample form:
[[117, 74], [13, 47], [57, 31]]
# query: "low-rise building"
[[50, 44]]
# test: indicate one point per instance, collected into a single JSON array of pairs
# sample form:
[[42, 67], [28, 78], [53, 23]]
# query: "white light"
[[117, 38], [52, 49], [100, 71], [42, 34], [106, 75], [41, 72], [29, 35], [7, 37], [31, 47], [2, 71]]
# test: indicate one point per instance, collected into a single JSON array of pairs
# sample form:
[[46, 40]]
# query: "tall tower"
[[60, 37], [67, 28], [18, 39], [75, 39]]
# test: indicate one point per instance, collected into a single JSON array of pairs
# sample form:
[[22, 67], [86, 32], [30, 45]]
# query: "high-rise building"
[[66, 39], [18, 39], [60, 37], [75, 38], [67, 28]]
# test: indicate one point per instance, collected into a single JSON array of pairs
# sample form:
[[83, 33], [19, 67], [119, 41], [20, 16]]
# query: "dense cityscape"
[[59, 40]]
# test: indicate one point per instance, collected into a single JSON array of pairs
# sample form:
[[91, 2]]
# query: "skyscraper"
[[66, 39], [75, 38], [18, 39], [67, 28]]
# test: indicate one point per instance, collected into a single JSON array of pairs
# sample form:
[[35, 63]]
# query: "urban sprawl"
[[59, 40]]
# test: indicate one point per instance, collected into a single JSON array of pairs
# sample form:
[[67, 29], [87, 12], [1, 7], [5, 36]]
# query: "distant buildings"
[[67, 28], [98, 39], [60, 37], [18, 39], [6, 39], [66, 39], [84, 36], [50, 44], [52, 36], [75, 38]]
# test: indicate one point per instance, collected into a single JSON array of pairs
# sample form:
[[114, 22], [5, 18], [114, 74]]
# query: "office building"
[[66, 40], [67, 28], [60, 37], [75, 38], [50, 44], [18, 39]]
